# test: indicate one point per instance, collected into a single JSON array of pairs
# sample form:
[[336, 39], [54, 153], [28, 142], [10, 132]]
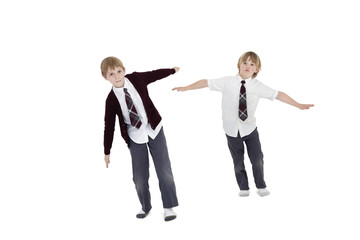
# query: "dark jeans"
[[236, 146], [140, 164]]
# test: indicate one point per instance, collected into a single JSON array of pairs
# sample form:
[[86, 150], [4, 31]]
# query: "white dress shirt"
[[230, 88], [138, 135]]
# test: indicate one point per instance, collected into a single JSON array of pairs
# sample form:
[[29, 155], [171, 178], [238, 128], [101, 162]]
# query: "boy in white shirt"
[[240, 96]]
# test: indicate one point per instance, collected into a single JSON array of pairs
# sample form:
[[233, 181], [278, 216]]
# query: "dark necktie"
[[242, 102], [134, 116]]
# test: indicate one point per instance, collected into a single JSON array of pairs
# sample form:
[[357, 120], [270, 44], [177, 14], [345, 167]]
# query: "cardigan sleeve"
[[152, 76], [110, 115]]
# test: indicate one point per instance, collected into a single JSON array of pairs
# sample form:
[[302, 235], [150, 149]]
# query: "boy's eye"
[[111, 74]]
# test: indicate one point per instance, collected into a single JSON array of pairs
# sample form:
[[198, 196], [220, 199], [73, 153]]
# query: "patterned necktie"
[[242, 102], [134, 116]]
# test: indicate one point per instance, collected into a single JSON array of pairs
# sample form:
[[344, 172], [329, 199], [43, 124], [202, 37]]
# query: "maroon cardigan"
[[140, 80]]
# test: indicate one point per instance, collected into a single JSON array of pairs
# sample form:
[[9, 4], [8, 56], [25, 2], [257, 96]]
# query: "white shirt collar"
[[121, 89], [246, 80], [240, 78], [126, 83]]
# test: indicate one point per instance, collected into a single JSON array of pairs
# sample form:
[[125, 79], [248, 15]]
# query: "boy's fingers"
[[107, 161], [179, 89]]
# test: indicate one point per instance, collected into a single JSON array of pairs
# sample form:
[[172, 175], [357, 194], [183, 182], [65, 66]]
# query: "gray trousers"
[[236, 147], [140, 164]]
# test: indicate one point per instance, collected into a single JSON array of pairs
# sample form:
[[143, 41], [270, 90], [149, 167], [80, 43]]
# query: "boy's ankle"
[[169, 214], [263, 192], [244, 193]]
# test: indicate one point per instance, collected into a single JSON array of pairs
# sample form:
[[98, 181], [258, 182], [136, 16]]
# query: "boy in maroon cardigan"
[[141, 128]]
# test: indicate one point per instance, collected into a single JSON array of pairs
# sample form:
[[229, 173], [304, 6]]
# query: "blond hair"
[[110, 63], [254, 58]]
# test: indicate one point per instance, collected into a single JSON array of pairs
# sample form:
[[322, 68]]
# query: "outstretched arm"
[[154, 75], [283, 97], [196, 85]]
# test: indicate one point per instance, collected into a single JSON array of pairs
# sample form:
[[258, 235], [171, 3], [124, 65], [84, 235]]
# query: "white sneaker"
[[263, 192], [169, 214], [244, 193], [141, 214]]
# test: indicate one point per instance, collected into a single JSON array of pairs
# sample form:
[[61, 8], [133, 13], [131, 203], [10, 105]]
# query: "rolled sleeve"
[[217, 84], [266, 92]]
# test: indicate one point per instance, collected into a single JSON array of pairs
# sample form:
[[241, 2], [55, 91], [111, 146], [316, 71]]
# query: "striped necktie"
[[242, 102], [134, 116]]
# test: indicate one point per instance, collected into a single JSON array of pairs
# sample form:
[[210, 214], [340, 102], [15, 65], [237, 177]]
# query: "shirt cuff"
[[275, 95]]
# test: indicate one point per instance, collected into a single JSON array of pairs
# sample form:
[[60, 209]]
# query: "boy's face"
[[247, 69], [116, 77]]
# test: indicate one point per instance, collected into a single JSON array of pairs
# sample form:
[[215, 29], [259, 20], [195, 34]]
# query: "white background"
[[53, 180]]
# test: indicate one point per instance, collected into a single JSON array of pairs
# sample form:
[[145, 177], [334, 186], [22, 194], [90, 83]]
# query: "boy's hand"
[[180, 89], [305, 106], [176, 69], [196, 85], [107, 160]]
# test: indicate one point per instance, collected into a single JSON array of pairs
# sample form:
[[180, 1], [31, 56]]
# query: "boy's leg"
[[140, 165], [236, 148], [256, 158], [159, 153]]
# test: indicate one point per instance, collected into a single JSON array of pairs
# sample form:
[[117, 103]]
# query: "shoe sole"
[[169, 218], [142, 215]]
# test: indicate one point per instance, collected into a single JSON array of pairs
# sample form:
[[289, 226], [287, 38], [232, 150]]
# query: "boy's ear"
[[105, 78]]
